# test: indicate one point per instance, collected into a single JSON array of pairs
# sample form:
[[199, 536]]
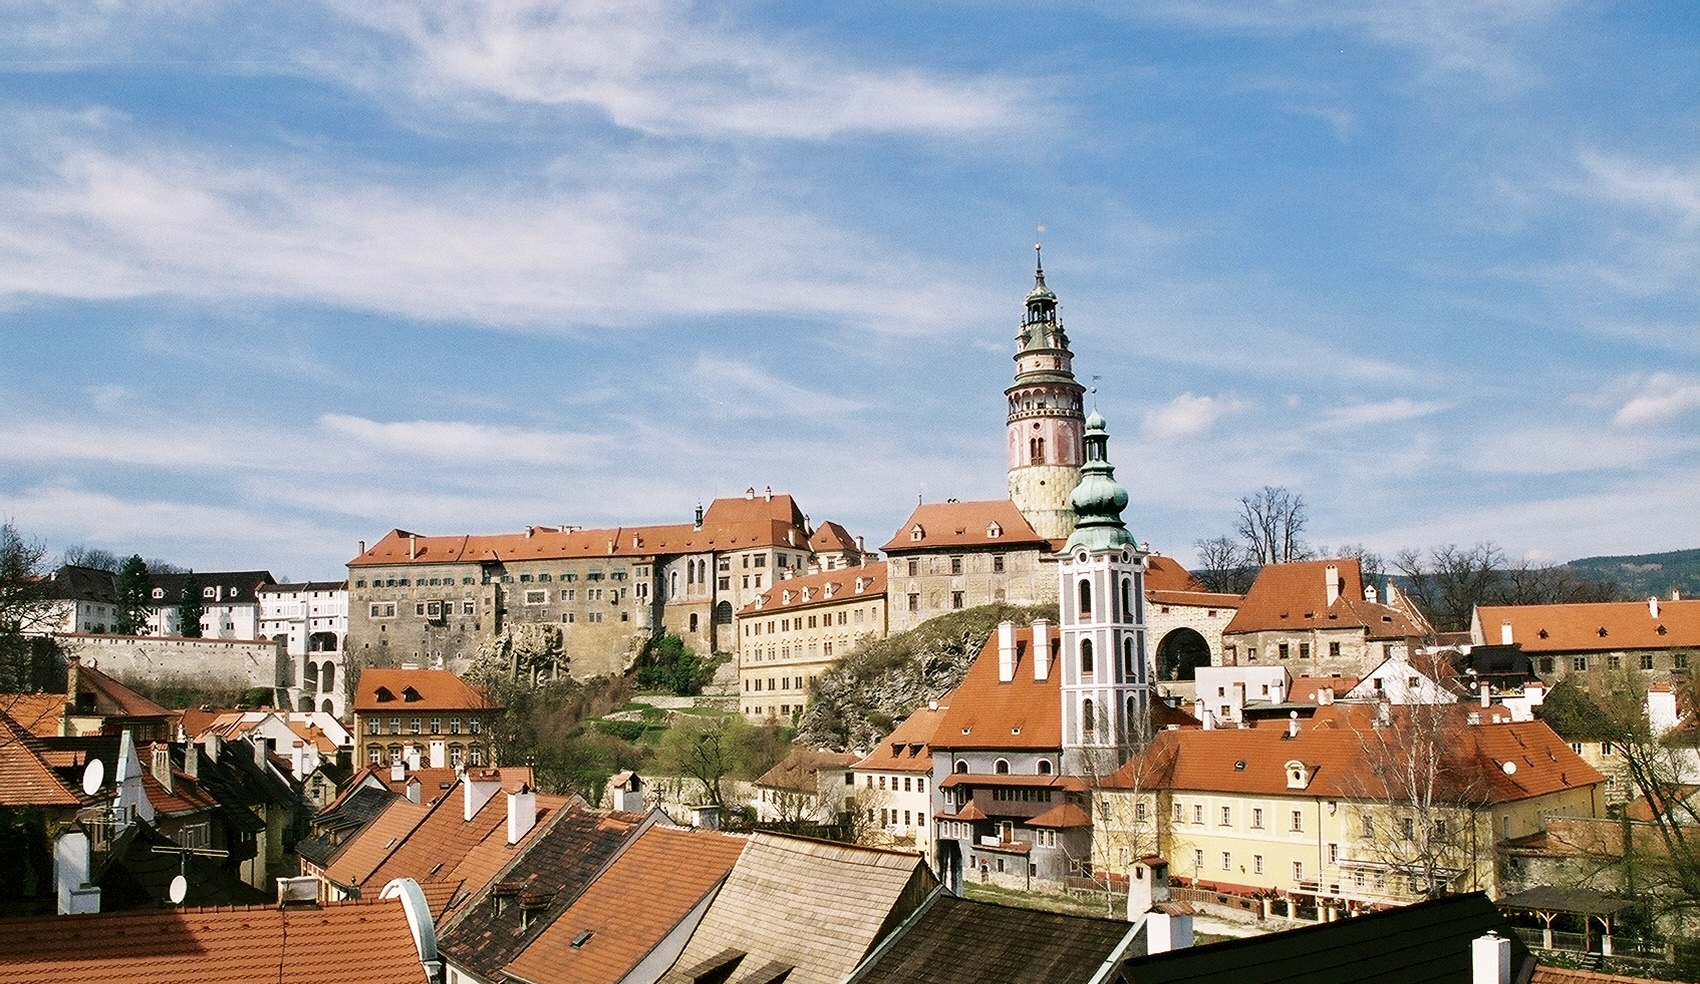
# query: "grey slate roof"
[[958, 941], [1429, 941]]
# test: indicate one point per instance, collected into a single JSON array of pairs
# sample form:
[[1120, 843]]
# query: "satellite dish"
[[179, 890], [93, 775], [1510, 768]]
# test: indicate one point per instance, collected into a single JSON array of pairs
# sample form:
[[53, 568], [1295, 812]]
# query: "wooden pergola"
[[1549, 902]]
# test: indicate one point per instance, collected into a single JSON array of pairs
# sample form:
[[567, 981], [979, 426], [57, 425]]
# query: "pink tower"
[[1046, 421]]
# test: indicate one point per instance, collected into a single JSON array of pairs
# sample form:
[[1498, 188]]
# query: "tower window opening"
[[1036, 450], [1085, 656], [1088, 718], [1085, 598], [1127, 596]]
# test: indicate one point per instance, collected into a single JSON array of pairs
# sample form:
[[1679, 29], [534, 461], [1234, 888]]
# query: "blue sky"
[[277, 278]]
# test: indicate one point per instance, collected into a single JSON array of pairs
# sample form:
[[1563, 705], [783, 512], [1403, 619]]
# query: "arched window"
[[457, 755], [1085, 598], [310, 676], [475, 755], [327, 678], [1001, 767], [1088, 718], [1085, 656], [1127, 598], [961, 767], [723, 613], [1132, 717], [1036, 451], [1128, 670], [327, 707], [673, 584], [1044, 767], [693, 621]]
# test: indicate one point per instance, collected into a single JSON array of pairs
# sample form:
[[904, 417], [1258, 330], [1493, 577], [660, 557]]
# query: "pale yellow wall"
[[782, 651]]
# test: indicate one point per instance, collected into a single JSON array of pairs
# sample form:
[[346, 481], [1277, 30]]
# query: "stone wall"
[[168, 661], [1028, 577]]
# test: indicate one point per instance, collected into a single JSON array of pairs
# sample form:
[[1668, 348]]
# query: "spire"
[[1098, 500], [1041, 302]]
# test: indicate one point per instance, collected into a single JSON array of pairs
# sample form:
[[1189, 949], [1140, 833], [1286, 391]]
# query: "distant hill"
[[1646, 574]]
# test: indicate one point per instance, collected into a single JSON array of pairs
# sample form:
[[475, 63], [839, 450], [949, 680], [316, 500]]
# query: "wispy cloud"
[[1355, 415], [1188, 415], [1665, 398], [457, 441], [740, 389]]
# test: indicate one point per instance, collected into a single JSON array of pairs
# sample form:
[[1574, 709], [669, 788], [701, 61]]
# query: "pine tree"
[[190, 609], [134, 597]]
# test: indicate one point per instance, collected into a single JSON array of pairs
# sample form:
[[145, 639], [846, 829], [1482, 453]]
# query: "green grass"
[[1073, 904]]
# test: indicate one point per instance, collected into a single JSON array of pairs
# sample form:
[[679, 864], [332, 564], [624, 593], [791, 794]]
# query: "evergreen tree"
[[190, 609], [134, 597]]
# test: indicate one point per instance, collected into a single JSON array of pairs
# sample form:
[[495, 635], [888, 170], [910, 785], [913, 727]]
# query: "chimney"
[[1487, 698], [415, 790], [439, 753], [411, 754], [769, 496], [1324, 696], [1147, 886], [749, 493], [1505, 634], [192, 760], [1653, 606], [362, 547], [522, 813], [1490, 959], [698, 525], [398, 771], [412, 546], [1041, 649], [260, 749], [1332, 576], [162, 764], [214, 746], [298, 759], [862, 547], [479, 787], [705, 817], [1006, 652], [1292, 724]]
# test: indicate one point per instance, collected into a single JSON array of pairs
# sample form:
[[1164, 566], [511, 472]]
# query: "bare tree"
[[25, 608], [1422, 797], [1373, 566], [1451, 581], [91, 557], [1222, 566], [1270, 523]]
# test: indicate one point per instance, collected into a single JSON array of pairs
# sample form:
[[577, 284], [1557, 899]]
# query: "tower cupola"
[[1044, 424], [1099, 499]]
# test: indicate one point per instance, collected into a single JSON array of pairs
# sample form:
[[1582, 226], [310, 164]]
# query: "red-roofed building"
[[1319, 809], [1319, 618], [598, 592], [796, 630], [1655, 636], [426, 718], [892, 782], [953, 555]]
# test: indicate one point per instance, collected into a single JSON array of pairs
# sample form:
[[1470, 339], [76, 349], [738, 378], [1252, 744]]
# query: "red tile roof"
[[1304, 689], [432, 690], [1166, 574], [1294, 597], [1337, 747], [1195, 599], [729, 524], [950, 525], [26, 778], [832, 538], [800, 771], [40, 714], [909, 746], [670, 871], [1064, 817], [368, 942], [1593, 627], [445, 846], [113, 699], [984, 712], [833, 587], [361, 854]]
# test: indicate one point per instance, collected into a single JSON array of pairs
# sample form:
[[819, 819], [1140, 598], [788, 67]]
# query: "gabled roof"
[[814, 906], [1338, 750], [670, 871], [132, 876], [954, 525], [959, 941], [985, 712], [111, 698], [266, 589], [1428, 941], [446, 847], [834, 587], [799, 772], [738, 523], [368, 942], [829, 537], [1593, 627], [1166, 574], [83, 584], [570, 850], [239, 586], [26, 778], [909, 746], [364, 852], [40, 714], [1295, 597], [383, 689]]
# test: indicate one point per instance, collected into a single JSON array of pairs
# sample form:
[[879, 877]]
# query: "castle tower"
[[1101, 593], [1044, 431]]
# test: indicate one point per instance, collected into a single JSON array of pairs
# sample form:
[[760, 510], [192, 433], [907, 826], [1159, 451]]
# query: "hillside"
[[1641, 575]]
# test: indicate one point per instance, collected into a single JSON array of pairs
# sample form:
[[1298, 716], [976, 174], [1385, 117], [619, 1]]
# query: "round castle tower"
[[1046, 423]]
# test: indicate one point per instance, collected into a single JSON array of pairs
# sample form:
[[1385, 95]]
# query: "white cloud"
[[1356, 415], [1665, 189], [740, 389], [1665, 398], [1188, 415], [449, 440], [1561, 449]]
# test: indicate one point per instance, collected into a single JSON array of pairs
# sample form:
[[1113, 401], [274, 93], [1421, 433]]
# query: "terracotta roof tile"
[[958, 941], [1333, 746], [1166, 574], [1062, 817], [832, 587], [947, 525], [1295, 596], [113, 699], [909, 746], [40, 714], [368, 942], [26, 778], [445, 846], [364, 852], [383, 689], [1193, 599], [671, 871], [985, 712], [1594, 627], [830, 537], [800, 770]]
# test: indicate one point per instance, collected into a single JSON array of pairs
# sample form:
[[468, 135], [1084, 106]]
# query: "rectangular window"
[[537, 597], [997, 564], [413, 726], [1680, 661], [1298, 821], [1197, 860], [466, 608], [419, 608], [395, 726], [454, 726], [1369, 826], [1257, 863], [1334, 650], [1304, 650], [1177, 813], [1333, 853], [956, 599], [1579, 663], [477, 725], [1227, 813], [1646, 661], [1408, 826], [1198, 813], [914, 602], [1227, 861], [1257, 817], [956, 565], [1139, 812], [1298, 871], [372, 726], [1613, 662], [1281, 650], [436, 726]]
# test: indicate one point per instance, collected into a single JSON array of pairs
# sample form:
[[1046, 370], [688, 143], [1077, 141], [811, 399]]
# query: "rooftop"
[[834, 587], [1594, 626], [382, 689], [947, 525], [1295, 597], [985, 712]]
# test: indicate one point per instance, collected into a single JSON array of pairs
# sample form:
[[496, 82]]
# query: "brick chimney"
[[1332, 575], [1041, 649], [162, 764], [1006, 652]]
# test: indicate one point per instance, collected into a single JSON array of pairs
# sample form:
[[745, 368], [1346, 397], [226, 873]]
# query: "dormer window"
[[410, 695], [916, 533], [207, 592], [1298, 775], [385, 695], [158, 593], [993, 530]]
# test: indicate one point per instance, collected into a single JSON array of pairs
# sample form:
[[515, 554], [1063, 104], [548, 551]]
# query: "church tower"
[[1101, 592], [1044, 431]]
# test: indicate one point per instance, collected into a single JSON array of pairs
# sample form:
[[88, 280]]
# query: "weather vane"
[[1093, 390]]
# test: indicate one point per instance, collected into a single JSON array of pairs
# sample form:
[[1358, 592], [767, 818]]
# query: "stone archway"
[[1180, 654]]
